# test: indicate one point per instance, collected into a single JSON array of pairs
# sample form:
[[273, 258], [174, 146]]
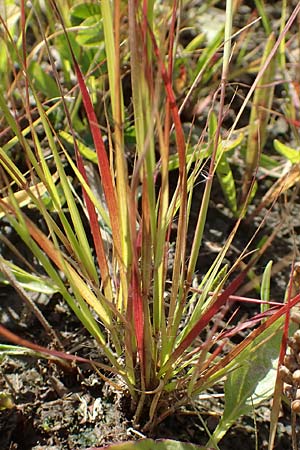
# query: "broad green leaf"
[[42, 81], [151, 444], [83, 11], [91, 33], [252, 382], [29, 281], [288, 152]]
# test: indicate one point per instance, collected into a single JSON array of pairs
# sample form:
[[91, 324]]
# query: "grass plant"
[[108, 246]]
